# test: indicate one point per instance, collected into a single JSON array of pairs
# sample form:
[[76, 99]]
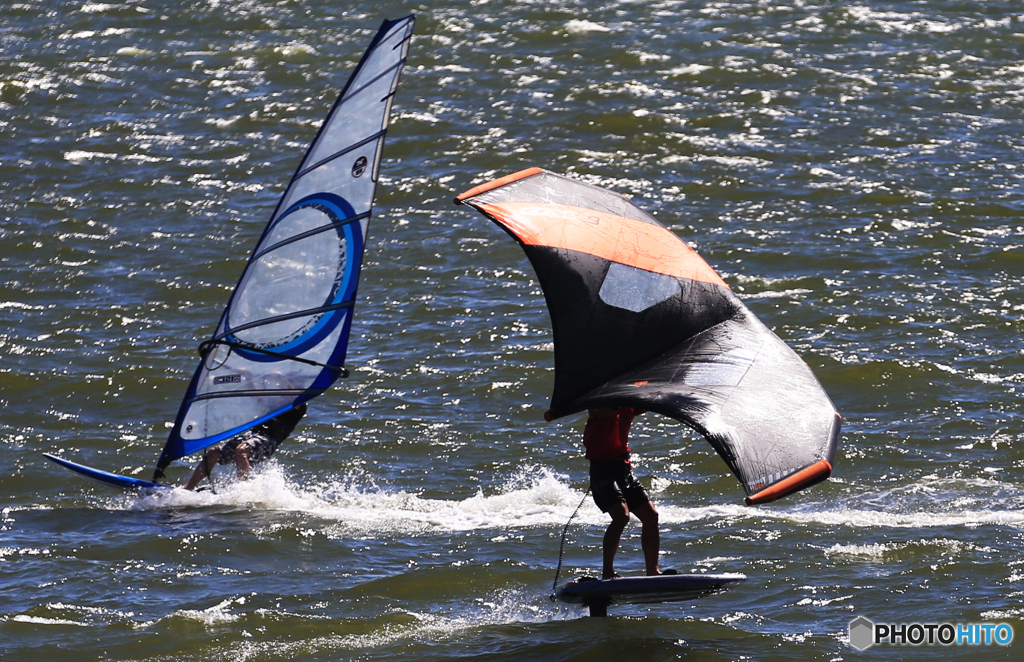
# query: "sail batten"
[[639, 319], [211, 396], [283, 336], [207, 345], [309, 233], [327, 159], [284, 318]]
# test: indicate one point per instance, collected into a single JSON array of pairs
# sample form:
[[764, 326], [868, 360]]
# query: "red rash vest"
[[607, 437]]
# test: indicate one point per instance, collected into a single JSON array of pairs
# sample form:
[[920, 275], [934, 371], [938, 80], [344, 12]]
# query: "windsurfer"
[[616, 491], [248, 448]]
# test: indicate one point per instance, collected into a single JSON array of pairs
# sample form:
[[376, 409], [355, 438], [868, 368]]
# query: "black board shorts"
[[612, 482], [261, 446]]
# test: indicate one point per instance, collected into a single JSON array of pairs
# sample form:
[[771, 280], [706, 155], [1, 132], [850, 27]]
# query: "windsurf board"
[[108, 478]]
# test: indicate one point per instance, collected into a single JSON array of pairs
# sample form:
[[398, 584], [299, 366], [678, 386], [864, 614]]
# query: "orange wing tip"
[[806, 477], [495, 183], [548, 416]]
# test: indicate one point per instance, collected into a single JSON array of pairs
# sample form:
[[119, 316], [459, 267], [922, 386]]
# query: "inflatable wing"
[[639, 319]]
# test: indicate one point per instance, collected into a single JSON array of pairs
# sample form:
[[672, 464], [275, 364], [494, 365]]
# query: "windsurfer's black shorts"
[[612, 482], [260, 446]]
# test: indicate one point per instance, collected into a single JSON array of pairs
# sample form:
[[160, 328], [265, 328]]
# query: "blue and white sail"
[[283, 336]]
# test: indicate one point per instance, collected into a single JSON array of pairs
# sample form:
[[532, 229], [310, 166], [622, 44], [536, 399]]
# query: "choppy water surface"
[[852, 170]]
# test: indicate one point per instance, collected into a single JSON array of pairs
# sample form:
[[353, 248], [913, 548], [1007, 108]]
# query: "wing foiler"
[[282, 339], [640, 320]]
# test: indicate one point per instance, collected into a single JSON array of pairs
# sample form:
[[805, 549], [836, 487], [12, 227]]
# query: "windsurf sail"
[[282, 339], [639, 319]]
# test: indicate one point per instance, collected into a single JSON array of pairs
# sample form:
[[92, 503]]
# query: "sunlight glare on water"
[[852, 171]]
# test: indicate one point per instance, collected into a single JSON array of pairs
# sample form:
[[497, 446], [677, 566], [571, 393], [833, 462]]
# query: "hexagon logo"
[[862, 633]]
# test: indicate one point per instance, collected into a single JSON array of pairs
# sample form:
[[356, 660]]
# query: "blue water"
[[852, 171]]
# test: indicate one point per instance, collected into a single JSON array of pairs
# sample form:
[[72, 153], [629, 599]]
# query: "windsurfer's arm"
[[202, 470]]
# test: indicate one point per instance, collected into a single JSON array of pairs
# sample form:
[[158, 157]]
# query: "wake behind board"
[[107, 478], [599, 593]]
